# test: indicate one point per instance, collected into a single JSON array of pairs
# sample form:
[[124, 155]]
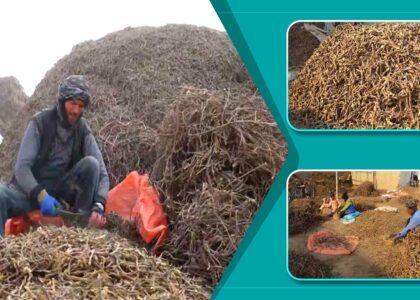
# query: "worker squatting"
[[59, 165]]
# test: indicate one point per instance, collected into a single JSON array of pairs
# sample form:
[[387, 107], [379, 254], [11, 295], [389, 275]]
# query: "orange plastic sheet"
[[323, 242], [135, 200], [21, 224]]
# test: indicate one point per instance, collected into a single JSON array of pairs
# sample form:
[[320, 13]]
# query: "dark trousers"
[[77, 188]]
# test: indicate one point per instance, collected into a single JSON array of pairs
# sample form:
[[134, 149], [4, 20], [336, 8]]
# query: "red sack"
[[135, 200], [325, 242]]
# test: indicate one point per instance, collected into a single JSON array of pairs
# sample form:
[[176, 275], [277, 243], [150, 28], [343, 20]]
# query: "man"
[[59, 162], [331, 202], [413, 221]]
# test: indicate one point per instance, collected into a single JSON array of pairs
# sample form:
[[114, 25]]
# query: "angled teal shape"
[[279, 182], [258, 30]]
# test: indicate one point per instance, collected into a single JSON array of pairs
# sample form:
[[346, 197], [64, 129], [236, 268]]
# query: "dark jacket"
[[49, 150]]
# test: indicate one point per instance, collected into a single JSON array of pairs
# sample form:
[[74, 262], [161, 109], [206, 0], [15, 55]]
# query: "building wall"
[[386, 180], [361, 176]]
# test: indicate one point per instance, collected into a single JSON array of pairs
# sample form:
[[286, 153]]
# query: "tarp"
[[135, 200], [326, 242], [387, 209]]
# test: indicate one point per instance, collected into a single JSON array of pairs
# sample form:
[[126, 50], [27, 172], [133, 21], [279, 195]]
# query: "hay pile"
[[365, 189], [303, 215], [134, 75], [12, 98], [363, 76], [70, 263], [407, 264], [303, 265], [218, 155]]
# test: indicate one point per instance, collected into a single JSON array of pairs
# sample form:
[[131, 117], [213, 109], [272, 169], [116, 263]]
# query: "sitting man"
[[59, 162], [331, 202], [413, 221]]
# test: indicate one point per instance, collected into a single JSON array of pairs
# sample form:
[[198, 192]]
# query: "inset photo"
[[354, 224], [354, 75]]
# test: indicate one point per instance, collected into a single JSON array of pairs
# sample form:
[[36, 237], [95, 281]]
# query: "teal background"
[[258, 29]]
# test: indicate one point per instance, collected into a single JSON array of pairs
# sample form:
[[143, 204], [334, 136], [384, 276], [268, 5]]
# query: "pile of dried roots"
[[218, 155], [371, 224], [214, 155], [333, 240], [303, 215], [71, 263], [134, 75], [365, 189], [12, 98], [407, 264], [362, 76], [307, 266]]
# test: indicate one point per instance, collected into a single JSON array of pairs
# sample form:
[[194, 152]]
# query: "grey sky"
[[36, 34]]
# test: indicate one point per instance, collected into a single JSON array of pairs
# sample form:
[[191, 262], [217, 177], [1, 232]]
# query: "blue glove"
[[49, 205]]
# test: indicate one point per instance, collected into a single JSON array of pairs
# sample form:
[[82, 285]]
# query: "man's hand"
[[397, 240], [97, 218], [48, 204]]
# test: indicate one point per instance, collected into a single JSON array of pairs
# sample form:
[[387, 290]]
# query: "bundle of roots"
[[218, 155], [307, 266], [75, 263], [362, 76]]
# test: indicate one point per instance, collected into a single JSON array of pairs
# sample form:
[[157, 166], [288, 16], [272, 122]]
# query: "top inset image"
[[354, 75]]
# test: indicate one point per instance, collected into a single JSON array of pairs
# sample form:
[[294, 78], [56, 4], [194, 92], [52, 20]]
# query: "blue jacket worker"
[[59, 162], [413, 222]]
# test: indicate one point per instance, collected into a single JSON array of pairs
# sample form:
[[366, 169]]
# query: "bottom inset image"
[[354, 224]]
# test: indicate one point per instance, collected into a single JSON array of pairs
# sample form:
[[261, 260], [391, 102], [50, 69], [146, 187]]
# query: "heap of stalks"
[[74, 263], [333, 240], [303, 215], [218, 155], [366, 189], [134, 74], [362, 76], [307, 266], [407, 263]]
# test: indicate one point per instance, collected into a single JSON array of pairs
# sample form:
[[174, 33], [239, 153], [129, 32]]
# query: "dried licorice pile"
[[218, 155], [12, 98], [333, 240], [215, 154], [134, 74], [407, 264], [125, 229], [303, 215], [366, 189], [74, 263], [307, 266], [363, 76]]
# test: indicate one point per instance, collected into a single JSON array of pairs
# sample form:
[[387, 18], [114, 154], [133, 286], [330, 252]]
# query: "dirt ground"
[[373, 257]]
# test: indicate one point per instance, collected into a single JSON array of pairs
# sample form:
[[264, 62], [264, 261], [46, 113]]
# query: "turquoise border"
[[335, 129], [258, 30], [334, 279]]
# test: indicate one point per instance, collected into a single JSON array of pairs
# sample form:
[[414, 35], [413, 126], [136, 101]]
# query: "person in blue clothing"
[[348, 207], [413, 221]]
